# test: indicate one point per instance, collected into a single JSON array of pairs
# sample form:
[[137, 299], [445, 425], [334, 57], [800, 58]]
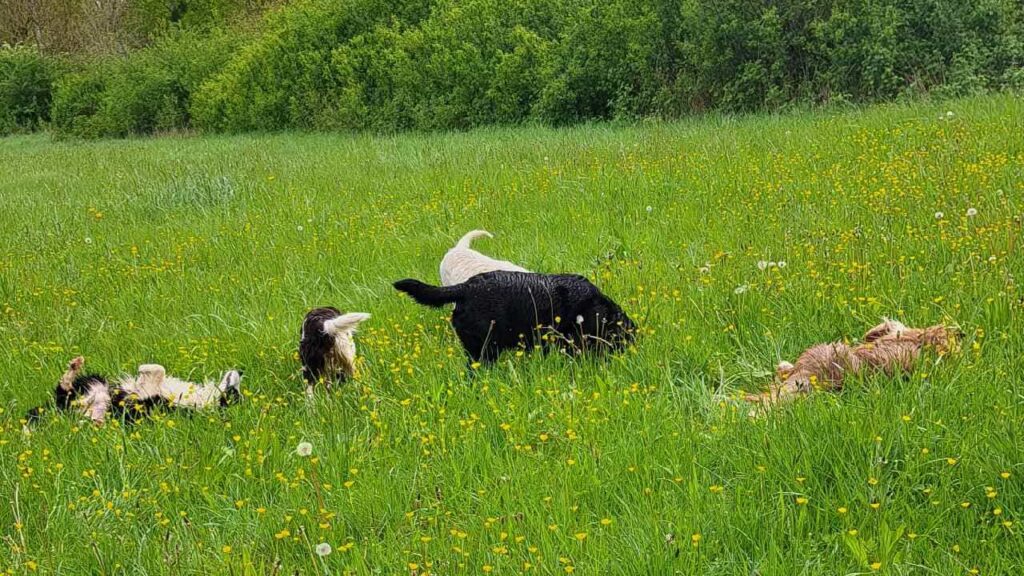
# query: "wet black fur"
[[315, 345], [498, 311]]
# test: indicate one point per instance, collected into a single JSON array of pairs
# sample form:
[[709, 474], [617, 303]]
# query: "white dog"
[[462, 262]]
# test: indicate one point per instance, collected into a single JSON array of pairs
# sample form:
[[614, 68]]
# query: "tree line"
[[122, 67]]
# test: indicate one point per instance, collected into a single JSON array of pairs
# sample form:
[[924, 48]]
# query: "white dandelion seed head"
[[782, 264], [579, 319], [323, 549], [704, 269], [299, 228], [762, 264], [304, 449], [649, 209], [972, 212], [949, 114], [740, 289], [88, 240], [772, 264], [939, 215]]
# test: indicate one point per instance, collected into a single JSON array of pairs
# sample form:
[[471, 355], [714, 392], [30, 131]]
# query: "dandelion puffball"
[[323, 549], [762, 264], [939, 215], [972, 212], [304, 449]]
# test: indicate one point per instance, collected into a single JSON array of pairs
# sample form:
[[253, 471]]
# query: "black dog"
[[498, 311], [326, 345]]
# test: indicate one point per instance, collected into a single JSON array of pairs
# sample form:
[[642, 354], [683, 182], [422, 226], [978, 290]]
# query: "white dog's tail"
[[344, 323], [466, 240]]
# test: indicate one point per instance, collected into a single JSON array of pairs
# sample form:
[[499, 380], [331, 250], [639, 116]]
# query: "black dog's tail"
[[433, 296]]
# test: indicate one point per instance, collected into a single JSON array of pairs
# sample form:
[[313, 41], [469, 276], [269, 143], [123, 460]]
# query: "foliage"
[[26, 88], [149, 91], [447, 64]]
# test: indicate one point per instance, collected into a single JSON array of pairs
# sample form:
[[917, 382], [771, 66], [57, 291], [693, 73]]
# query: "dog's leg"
[[230, 387], [74, 368]]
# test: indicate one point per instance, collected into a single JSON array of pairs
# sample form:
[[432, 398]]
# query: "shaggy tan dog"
[[462, 262], [889, 348]]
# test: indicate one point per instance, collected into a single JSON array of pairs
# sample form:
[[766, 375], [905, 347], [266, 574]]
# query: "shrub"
[[284, 78], [443, 64], [26, 88], [147, 91]]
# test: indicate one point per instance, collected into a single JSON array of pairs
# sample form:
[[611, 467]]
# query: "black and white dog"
[[327, 346], [131, 397], [498, 311]]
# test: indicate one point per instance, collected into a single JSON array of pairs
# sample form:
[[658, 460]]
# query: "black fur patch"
[[498, 311]]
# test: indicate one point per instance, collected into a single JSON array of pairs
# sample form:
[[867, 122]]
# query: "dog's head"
[[605, 319], [945, 339]]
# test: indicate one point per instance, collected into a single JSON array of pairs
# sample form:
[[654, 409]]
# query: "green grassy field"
[[204, 254]]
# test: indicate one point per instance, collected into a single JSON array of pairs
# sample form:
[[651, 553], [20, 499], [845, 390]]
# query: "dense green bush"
[[284, 78], [26, 88], [146, 92], [441, 64]]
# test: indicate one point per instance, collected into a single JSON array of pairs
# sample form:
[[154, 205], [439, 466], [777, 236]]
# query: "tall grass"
[[204, 254]]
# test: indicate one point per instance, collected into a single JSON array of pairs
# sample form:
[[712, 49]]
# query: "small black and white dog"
[[498, 311], [327, 347], [131, 397]]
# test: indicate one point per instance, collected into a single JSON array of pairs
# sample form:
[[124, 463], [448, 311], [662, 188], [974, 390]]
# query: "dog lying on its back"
[[326, 345], [890, 348], [92, 396], [462, 262], [498, 311]]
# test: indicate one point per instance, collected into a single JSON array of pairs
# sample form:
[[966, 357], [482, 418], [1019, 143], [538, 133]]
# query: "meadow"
[[733, 242]]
